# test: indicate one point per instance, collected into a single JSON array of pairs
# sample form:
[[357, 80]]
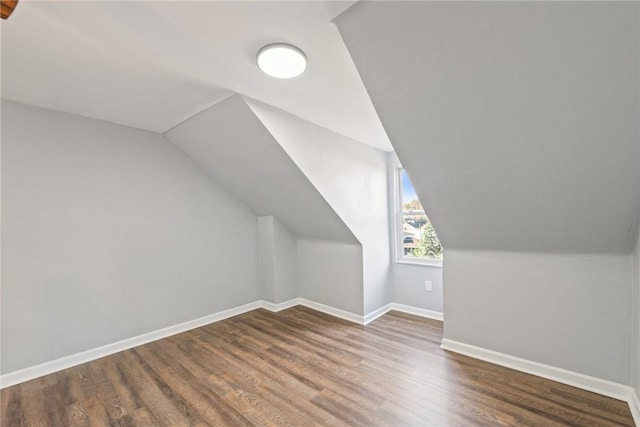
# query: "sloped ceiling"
[[153, 64], [232, 145], [517, 122], [352, 177]]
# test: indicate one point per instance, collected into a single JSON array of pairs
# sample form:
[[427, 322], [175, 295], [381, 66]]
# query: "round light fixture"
[[282, 61]]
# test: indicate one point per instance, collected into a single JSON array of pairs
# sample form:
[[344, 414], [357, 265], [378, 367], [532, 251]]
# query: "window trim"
[[400, 258]]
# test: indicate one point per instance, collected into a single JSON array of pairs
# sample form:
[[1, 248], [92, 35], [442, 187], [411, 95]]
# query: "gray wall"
[[635, 327], [327, 272], [568, 311], [278, 261], [266, 259], [109, 232], [408, 286], [285, 251], [352, 177], [635, 339]]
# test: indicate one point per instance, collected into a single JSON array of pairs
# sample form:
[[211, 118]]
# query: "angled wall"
[[110, 232], [518, 123], [234, 147], [352, 177]]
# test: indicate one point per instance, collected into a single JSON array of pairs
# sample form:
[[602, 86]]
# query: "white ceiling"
[[151, 65]]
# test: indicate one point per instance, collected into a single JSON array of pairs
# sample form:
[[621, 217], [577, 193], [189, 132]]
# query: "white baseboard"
[[280, 306], [52, 366], [575, 379], [422, 312], [634, 406], [377, 313], [368, 318], [32, 372], [336, 312], [46, 368]]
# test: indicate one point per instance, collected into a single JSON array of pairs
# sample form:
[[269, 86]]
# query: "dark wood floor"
[[300, 367]]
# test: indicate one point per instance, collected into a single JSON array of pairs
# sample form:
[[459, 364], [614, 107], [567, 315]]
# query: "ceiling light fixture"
[[282, 61]]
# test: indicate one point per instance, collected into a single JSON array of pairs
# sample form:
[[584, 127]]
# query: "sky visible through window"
[[408, 193]]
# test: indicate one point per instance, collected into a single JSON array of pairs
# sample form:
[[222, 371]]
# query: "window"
[[416, 239]]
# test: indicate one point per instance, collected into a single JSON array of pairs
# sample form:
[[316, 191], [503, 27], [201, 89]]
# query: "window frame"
[[401, 258]]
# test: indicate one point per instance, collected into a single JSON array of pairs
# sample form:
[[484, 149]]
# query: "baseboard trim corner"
[[575, 379], [46, 368], [377, 313], [280, 306], [634, 406], [422, 312]]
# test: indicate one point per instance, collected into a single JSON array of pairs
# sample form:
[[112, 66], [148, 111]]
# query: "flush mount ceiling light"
[[282, 61]]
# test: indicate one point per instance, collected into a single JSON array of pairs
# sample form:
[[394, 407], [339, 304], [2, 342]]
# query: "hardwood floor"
[[300, 367]]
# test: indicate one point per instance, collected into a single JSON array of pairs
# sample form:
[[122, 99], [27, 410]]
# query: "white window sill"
[[437, 264]]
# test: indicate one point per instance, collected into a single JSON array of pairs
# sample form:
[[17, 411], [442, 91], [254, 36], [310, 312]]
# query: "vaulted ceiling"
[[151, 64], [517, 122]]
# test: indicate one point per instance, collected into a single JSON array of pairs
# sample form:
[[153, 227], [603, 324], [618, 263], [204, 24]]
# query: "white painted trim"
[[398, 245], [342, 314], [280, 306], [409, 261], [52, 366], [377, 313], [423, 312], [634, 406], [366, 319], [575, 379], [597, 385]]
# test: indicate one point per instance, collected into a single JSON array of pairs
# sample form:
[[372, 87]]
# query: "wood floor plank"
[[12, 406], [33, 408], [279, 384], [107, 394], [148, 392], [207, 405], [300, 367], [54, 406]]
